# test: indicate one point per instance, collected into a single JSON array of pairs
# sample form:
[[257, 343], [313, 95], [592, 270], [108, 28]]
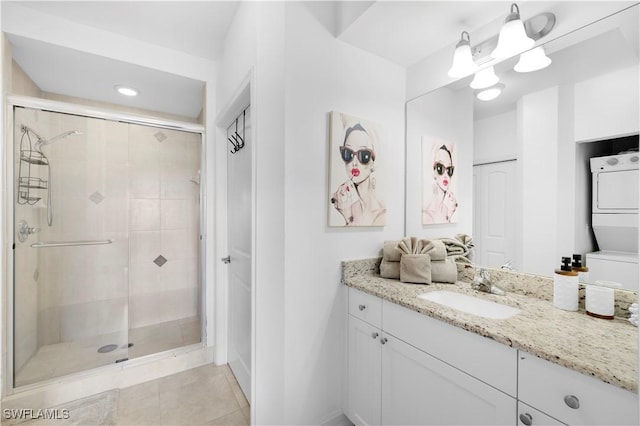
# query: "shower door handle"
[[226, 260]]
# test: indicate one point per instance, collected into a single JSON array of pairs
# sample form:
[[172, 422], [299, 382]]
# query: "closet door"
[[496, 215]]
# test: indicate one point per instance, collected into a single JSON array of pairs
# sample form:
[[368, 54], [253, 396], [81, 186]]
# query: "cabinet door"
[[529, 416], [363, 373], [418, 389]]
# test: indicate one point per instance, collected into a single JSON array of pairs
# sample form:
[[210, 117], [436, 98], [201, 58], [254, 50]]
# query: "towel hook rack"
[[235, 139]]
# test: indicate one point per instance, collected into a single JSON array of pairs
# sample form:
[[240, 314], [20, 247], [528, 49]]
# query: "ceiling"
[[404, 32], [195, 28]]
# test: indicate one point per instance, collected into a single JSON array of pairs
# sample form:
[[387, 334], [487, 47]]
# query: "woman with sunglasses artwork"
[[442, 205], [355, 199]]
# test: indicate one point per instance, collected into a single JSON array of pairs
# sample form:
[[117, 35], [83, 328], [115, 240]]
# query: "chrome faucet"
[[482, 282], [508, 266]]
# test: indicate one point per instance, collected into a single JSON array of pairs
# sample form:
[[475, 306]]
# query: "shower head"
[[43, 142]]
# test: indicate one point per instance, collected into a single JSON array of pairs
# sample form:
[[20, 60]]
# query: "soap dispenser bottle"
[[565, 286], [577, 266]]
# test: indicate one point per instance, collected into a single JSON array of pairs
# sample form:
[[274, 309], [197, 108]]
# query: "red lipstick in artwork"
[[355, 172]]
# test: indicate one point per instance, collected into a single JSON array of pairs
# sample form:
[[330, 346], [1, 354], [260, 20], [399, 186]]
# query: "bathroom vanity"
[[415, 361]]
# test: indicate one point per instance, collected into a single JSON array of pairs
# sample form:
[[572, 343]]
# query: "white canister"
[[600, 299], [565, 291]]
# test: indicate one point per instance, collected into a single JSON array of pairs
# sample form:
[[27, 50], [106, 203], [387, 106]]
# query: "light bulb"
[[532, 60], [484, 78], [462, 64], [513, 38]]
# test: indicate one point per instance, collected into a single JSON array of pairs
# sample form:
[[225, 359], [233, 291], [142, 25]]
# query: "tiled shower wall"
[[135, 185]]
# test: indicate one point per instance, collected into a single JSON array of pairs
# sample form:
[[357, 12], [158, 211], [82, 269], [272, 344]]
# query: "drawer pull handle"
[[383, 340], [362, 307], [526, 419], [374, 335], [572, 401]]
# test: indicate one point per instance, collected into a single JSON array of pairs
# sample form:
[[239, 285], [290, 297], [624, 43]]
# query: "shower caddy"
[[30, 185]]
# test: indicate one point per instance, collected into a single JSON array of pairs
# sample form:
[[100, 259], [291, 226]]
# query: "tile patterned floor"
[[207, 395]]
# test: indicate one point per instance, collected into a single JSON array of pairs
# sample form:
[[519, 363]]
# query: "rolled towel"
[[438, 252], [390, 251], [390, 269], [455, 247], [444, 271], [465, 239], [633, 319], [468, 242]]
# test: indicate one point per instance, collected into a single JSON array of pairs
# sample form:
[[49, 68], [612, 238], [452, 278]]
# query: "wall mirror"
[[524, 182]]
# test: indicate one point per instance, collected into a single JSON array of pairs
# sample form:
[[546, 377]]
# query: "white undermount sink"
[[470, 304]]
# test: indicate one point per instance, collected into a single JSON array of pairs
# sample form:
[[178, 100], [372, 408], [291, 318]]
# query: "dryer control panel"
[[626, 161]]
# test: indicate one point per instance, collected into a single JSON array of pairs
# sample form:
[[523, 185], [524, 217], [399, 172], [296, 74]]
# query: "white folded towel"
[[633, 319]]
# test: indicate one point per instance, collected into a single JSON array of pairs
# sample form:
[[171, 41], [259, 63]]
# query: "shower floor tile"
[[60, 359]]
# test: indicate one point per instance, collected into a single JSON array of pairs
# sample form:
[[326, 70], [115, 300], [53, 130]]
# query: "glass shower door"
[[71, 244]]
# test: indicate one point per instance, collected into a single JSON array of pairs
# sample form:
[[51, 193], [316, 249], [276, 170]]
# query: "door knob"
[[226, 260], [362, 307], [374, 335], [383, 340]]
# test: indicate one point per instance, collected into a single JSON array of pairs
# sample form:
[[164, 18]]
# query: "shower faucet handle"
[[24, 230]]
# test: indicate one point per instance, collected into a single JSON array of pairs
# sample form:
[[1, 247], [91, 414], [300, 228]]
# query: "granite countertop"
[[605, 349]]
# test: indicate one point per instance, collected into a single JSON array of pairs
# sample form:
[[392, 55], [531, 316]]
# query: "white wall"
[[299, 301], [538, 132], [495, 138], [253, 52], [322, 75], [607, 106]]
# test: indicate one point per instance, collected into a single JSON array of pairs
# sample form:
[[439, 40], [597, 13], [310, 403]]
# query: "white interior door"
[[495, 214], [239, 203]]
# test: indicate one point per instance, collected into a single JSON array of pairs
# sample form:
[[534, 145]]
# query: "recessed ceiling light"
[[125, 90]]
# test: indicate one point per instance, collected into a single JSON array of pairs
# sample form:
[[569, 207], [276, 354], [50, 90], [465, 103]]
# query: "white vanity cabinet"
[[364, 358], [419, 389], [572, 397], [529, 416], [394, 380]]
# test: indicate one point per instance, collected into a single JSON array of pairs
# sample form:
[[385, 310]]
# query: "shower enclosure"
[[107, 242]]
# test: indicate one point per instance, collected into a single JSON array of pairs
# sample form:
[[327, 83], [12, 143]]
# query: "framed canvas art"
[[439, 181], [355, 178]]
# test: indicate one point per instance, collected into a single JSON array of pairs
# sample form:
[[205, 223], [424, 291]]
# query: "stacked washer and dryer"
[[615, 219]]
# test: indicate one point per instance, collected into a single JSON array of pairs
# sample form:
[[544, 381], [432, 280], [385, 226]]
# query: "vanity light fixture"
[[490, 93], [126, 90], [532, 60], [484, 78], [462, 64], [513, 38]]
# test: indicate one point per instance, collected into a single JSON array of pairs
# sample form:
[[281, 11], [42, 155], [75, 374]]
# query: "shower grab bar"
[[71, 243]]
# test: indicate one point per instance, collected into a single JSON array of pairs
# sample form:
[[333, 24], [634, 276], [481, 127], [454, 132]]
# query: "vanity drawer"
[[366, 307], [546, 386], [491, 362]]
